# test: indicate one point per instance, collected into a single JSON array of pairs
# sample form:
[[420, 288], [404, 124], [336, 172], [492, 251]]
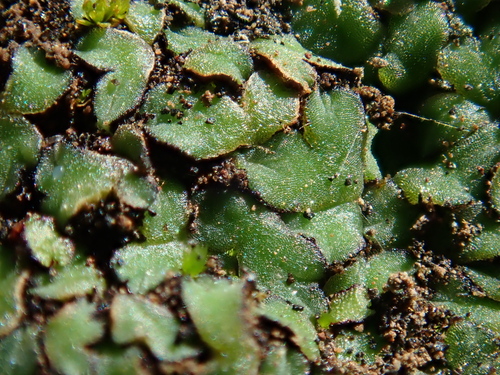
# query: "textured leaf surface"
[[351, 305], [129, 142], [457, 179], [282, 360], [221, 58], [455, 297], [72, 178], [47, 246], [20, 143], [121, 362], [206, 130], [226, 331], [128, 60], [258, 237], [472, 350], [304, 333], [141, 321], [338, 231], [200, 131], [145, 266], [455, 118], [317, 170], [35, 84], [371, 273], [371, 165], [383, 225], [144, 20], [269, 104], [189, 38], [484, 245], [356, 346], [68, 333], [18, 351], [472, 72], [74, 280], [293, 62], [12, 307], [346, 31], [415, 41], [191, 10], [168, 214], [486, 277]]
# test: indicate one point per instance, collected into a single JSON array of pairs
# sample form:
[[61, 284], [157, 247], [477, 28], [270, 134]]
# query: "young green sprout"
[[103, 13]]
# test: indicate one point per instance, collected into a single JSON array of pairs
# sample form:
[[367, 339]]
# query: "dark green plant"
[[204, 187]]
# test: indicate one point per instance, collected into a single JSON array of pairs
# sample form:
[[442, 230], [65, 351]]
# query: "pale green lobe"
[[19, 351], [456, 297], [259, 238], [137, 191], [413, 47], [383, 223], [270, 105], [192, 11], [67, 335], [483, 246], [144, 266], [494, 190], [226, 330], [432, 185], [189, 38], [74, 280], [20, 144], [169, 214], [371, 273], [12, 285], [144, 20], [458, 178], [486, 277], [304, 332], [317, 170], [347, 31], [473, 73], [208, 129], [220, 59], [121, 362], [455, 117], [371, 166], [74, 178], [472, 349], [203, 131], [337, 231], [137, 320], [362, 347], [34, 84], [283, 360], [293, 62], [48, 247], [351, 305], [128, 60], [130, 143]]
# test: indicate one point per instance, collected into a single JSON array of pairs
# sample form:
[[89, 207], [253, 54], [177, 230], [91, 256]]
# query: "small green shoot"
[[103, 13], [194, 260]]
